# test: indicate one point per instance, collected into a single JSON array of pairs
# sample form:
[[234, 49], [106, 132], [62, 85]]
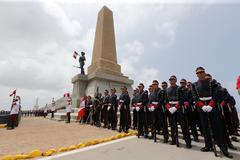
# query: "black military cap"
[[113, 89], [164, 83], [155, 82], [189, 84], [136, 89], [214, 81], [141, 84], [200, 70], [83, 53], [208, 76], [173, 77], [183, 81]]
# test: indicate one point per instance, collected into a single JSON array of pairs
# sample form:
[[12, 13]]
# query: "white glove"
[[119, 106], [172, 110], [152, 108], [137, 109], [108, 108], [209, 108], [205, 108]]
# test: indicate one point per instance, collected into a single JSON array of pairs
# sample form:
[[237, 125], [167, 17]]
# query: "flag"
[[13, 93], [81, 111], [66, 95], [238, 83], [75, 54]]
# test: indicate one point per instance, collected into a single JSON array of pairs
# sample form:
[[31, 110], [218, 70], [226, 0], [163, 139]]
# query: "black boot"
[[188, 145], [120, 130], [173, 143], [196, 139], [165, 140], [226, 154], [235, 139], [206, 149], [231, 146]]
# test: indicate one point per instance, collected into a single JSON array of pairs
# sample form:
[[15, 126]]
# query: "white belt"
[[154, 102], [121, 101], [205, 98], [139, 103], [173, 102]]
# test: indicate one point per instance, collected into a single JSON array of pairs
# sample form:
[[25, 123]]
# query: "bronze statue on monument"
[[81, 60], [82, 63]]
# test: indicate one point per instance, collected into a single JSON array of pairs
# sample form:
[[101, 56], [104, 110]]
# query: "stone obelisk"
[[104, 71], [104, 58]]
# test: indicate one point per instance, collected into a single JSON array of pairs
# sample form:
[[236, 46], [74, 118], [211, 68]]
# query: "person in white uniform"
[[13, 114], [69, 109]]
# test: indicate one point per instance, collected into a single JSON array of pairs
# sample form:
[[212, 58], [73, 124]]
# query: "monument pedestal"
[[79, 86], [88, 84]]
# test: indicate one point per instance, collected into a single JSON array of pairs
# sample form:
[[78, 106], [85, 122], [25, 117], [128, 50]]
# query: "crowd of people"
[[203, 108]]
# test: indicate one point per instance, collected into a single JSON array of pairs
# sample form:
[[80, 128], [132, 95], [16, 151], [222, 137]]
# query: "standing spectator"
[[13, 114], [69, 109], [45, 111]]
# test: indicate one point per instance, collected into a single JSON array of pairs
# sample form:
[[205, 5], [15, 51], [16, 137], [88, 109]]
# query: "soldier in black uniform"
[[175, 105], [142, 111], [112, 110], [204, 93], [96, 111], [156, 100], [188, 108], [193, 114], [222, 102], [88, 105], [105, 103], [166, 113], [223, 97], [134, 104], [150, 90], [123, 104]]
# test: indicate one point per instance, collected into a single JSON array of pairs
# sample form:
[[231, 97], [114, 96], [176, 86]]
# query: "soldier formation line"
[[203, 108]]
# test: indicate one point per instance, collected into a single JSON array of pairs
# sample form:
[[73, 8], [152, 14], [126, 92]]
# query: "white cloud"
[[131, 64], [147, 75], [130, 54], [38, 38]]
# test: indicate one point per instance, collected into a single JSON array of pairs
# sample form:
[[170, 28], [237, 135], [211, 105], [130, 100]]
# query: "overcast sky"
[[153, 40]]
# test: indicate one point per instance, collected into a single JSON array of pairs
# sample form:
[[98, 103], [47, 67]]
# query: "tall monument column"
[[104, 56], [104, 71]]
